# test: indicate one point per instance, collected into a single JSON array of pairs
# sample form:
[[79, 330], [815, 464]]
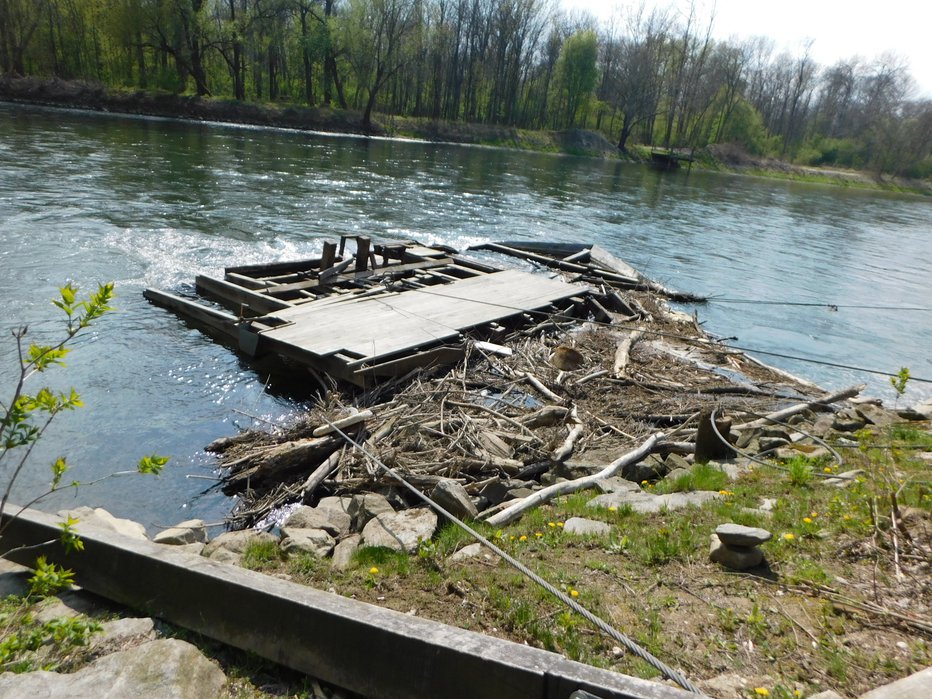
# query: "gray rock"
[[229, 546], [645, 502], [810, 451], [652, 468], [772, 443], [335, 502], [191, 531], [674, 461], [615, 484], [365, 506], [774, 432], [466, 553], [163, 669], [739, 535], [822, 425], [746, 436], [332, 520], [521, 493], [401, 531], [876, 415], [119, 632], [847, 420], [586, 527], [767, 504], [343, 551], [99, 518], [915, 686], [676, 474], [736, 558], [453, 497], [924, 408], [316, 542], [827, 694], [843, 479], [13, 578]]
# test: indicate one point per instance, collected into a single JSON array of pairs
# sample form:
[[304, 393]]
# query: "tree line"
[[654, 77]]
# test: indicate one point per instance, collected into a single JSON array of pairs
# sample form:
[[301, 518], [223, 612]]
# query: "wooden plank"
[[234, 296], [329, 255], [603, 258], [402, 365], [362, 252], [353, 276], [269, 269], [193, 311]]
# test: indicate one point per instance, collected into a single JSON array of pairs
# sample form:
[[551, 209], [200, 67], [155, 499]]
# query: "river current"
[[149, 202]]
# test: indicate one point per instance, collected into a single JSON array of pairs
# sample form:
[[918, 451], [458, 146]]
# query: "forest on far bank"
[[646, 77]]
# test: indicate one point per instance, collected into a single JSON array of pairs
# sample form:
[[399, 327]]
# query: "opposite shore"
[[55, 92]]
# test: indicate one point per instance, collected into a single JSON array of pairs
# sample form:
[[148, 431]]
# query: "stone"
[[843, 479], [676, 474], [746, 436], [191, 531], [316, 542], [924, 408], [519, 493], [453, 497], [652, 468], [674, 461], [739, 535], [648, 503], [811, 451], [119, 632], [847, 420], [586, 527], [915, 686], [163, 669], [101, 519], [344, 550], [335, 502], [767, 504], [772, 443], [774, 432], [615, 484], [736, 558], [365, 506], [332, 520], [229, 546], [401, 531], [827, 694], [465, 553], [729, 684], [876, 415]]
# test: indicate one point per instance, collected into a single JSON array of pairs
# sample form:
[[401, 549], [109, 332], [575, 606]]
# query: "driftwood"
[[320, 473], [779, 415], [343, 423], [566, 449], [277, 461], [514, 511], [623, 353], [543, 390]]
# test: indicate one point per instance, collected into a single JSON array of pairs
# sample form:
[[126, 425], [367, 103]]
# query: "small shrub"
[[800, 471]]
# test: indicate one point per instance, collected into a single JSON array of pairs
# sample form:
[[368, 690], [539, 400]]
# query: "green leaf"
[[152, 464]]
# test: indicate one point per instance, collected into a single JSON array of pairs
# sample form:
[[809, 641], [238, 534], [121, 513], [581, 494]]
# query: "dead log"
[[279, 461], [623, 353], [319, 474], [548, 415], [514, 511], [543, 390], [780, 415], [566, 449], [343, 423]]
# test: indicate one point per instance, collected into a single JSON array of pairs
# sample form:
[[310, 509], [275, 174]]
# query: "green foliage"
[[49, 579], [700, 477], [899, 381], [800, 471]]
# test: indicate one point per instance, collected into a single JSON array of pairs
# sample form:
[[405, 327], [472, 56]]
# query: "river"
[[149, 202]]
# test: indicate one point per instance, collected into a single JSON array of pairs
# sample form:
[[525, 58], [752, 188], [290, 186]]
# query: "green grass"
[[262, 555]]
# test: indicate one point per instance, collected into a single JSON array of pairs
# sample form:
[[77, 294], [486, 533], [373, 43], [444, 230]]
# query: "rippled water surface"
[[152, 203]]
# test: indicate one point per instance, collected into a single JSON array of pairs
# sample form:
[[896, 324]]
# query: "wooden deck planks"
[[384, 326]]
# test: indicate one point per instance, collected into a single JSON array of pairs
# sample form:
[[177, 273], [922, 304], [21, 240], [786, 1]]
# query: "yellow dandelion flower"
[[613, 509], [559, 524], [552, 525], [762, 691], [574, 593], [522, 538], [512, 537], [789, 536], [797, 693], [813, 514], [373, 571], [538, 534], [807, 520], [644, 482], [827, 469]]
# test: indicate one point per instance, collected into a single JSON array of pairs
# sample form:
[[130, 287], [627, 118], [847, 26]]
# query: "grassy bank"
[[80, 95]]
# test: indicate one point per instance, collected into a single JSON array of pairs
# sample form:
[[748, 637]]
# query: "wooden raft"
[[387, 309]]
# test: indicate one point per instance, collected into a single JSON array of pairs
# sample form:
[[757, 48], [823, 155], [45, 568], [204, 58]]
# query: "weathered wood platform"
[[388, 308]]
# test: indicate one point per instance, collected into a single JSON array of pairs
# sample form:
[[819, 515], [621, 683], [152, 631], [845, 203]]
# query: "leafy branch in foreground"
[[26, 416]]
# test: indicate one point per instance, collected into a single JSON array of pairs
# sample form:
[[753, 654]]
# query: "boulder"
[[453, 497], [335, 502], [191, 531], [615, 484], [739, 535], [401, 531], [332, 520], [924, 409], [675, 461], [652, 468], [163, 669], [734, 557], [365, 506], [316, 542], [99, 518], [229, 546], [343, 551], [119, 632], [848, 420], [876, 415], [586, 527], [646, 502]]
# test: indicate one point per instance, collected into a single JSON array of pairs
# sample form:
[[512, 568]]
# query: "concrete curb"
[[373, 651]]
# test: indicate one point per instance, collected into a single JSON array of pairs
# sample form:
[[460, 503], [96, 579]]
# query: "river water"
[[145, 202]]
